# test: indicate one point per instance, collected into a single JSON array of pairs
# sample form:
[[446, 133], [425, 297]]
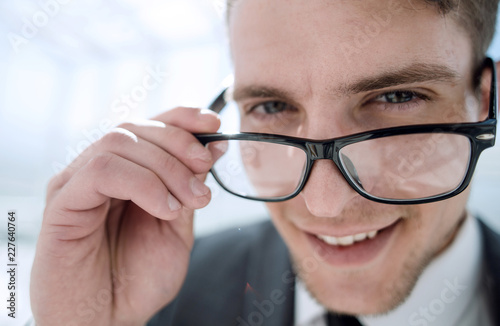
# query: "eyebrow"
[[254, 91], [414, 73]]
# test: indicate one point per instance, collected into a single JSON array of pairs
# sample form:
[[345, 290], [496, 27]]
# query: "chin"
[[354, 295], [374, 288]]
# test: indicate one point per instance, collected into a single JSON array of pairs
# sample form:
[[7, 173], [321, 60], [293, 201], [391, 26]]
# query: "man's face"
[[337, 68]]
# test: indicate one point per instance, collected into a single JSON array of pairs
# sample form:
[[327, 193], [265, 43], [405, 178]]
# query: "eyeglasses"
[[401, 165]]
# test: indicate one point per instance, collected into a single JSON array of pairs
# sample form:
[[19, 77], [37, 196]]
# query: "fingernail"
[[198, 188], [221, 146], [197, 151], [173, 203]]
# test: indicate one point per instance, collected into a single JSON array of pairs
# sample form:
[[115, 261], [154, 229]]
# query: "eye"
[[271, 107], [400, 100], [396, 97]]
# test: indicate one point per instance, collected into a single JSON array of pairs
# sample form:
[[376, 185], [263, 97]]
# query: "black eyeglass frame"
[[480, 134]]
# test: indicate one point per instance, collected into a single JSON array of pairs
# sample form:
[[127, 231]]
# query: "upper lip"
[[346, 230]]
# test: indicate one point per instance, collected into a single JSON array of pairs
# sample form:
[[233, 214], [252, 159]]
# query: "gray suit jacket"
[[245, 278]]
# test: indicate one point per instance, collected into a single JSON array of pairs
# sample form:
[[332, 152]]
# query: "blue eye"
[[397, 97], [272, 107], [400, 100]]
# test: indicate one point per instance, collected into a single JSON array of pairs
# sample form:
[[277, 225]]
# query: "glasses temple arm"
[[219, 102], [493, 89]]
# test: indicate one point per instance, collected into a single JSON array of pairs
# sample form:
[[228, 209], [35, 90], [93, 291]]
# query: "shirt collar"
[[447, 285], [307, 309]]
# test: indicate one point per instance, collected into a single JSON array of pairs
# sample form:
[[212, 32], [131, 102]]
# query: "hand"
[[117, 229]]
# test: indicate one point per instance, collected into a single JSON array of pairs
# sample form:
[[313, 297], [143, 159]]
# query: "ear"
[[485, 90]]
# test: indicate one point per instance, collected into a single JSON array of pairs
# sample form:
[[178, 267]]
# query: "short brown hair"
[[476, 17]]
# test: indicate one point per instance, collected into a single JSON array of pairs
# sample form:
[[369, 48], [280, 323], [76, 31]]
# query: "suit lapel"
[[491, 246], [269, 296]]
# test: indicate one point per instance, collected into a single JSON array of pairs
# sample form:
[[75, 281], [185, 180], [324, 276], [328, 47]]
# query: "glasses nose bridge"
[[321, 150]]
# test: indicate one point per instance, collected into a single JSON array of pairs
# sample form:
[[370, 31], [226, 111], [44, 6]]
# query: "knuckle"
[[56, 181], [117, 137], [174, 133], [169, 163], [100, 162], [151, 181]]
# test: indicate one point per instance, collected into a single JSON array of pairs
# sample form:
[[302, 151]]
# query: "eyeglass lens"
[[259, 169], [408, 166], [397, 167]]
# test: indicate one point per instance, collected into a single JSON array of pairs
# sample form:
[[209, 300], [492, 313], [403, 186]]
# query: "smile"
[[354, 249], [349, 239]]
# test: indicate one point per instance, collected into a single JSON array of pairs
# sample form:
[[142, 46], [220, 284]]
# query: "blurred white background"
[[69, 70]]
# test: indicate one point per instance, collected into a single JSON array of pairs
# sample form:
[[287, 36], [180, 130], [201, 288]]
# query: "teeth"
[[329, 240], [360, 236], [348, 240]]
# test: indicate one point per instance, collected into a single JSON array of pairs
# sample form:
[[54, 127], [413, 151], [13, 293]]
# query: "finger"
[[191, 119], [176, 141], [179, 179], [111, 176]]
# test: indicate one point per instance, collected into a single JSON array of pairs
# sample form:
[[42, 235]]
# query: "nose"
[[326, 192]]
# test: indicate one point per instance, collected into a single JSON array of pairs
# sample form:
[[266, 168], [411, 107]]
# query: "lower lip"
[[359, 253]]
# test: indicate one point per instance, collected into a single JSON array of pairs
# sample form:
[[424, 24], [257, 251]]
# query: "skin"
[[127, 202], [288, 50], [108, 216]]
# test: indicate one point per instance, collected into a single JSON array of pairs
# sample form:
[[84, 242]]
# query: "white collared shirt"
[[450, 291]]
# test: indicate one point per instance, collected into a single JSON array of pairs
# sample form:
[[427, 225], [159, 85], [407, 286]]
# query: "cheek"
[[435, 224], [278, 213], [283, 215]]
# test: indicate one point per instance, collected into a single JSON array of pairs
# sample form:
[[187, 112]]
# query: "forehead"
[[318, 40]]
